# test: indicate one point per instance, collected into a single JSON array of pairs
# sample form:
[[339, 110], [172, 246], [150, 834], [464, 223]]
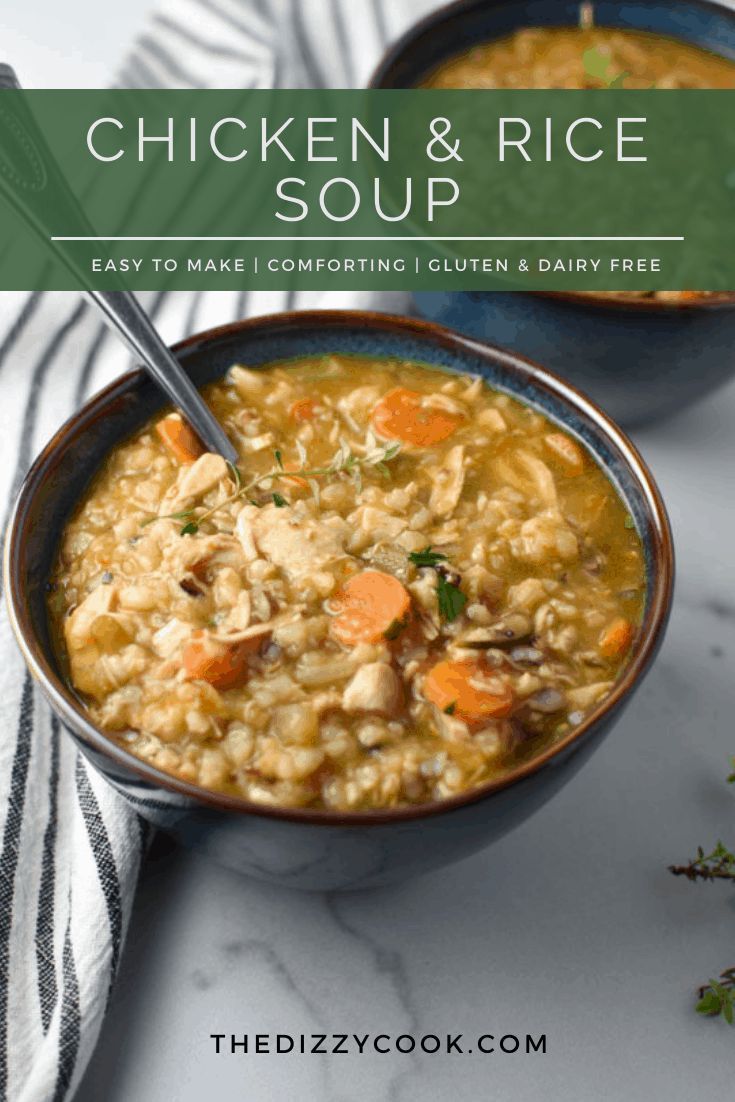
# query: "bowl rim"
[[649, 638], [716, 300]]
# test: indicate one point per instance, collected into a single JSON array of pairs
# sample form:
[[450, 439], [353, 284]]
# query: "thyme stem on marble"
[[717, 996], [717, 865]]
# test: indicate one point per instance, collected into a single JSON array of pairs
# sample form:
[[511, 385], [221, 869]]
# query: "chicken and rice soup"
[[409, 583]]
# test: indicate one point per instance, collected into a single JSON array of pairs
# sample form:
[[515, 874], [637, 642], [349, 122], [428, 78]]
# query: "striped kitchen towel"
[[70, 849]]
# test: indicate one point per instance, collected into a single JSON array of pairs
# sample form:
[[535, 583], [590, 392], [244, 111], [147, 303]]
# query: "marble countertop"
[[571, 926]]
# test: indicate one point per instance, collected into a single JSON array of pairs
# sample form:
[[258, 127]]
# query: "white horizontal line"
[[552, 237]]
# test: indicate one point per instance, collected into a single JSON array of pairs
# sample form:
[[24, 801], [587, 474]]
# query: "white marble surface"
[[571, 926]]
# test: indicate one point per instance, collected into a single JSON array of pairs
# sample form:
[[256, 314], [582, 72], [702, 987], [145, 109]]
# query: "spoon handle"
[[120, 308], [123, 312]]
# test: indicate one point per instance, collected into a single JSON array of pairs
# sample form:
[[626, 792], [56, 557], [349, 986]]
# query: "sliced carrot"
[[456, 687], [371, 606], [402, 415], [569, 454], [199, 569], [616, 638], [180, 440], [222, 665], [304, 409]]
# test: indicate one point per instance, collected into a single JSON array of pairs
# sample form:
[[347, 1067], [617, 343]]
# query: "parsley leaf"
[[279, 502], [451, 599], [190, 529], [427, 557]]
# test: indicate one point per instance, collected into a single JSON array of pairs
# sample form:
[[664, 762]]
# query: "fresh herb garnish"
[[169, 516], [394, 629], [234, 474], [597, 65], [717, 865], [427, 557], [451, 599], [450, 708], [344, 461], [716, 997]]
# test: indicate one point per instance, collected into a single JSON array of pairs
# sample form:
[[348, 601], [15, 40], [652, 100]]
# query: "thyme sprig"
[[716, 997], [344, 461], [717, 865]]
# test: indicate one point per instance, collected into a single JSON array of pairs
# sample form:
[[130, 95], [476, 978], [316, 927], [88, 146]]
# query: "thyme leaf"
[[183, 515], [234, 474]]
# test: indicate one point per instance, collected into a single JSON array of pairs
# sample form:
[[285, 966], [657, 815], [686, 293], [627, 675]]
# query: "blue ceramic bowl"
[[641, 359], [313, 848]]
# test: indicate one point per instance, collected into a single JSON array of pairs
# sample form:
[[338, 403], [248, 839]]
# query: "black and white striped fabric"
[[70, 849]]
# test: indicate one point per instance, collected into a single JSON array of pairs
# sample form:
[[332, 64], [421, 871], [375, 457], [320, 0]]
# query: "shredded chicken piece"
[[78, 626], [194, 482], [448, 480], [374, 688], [298, 544]]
